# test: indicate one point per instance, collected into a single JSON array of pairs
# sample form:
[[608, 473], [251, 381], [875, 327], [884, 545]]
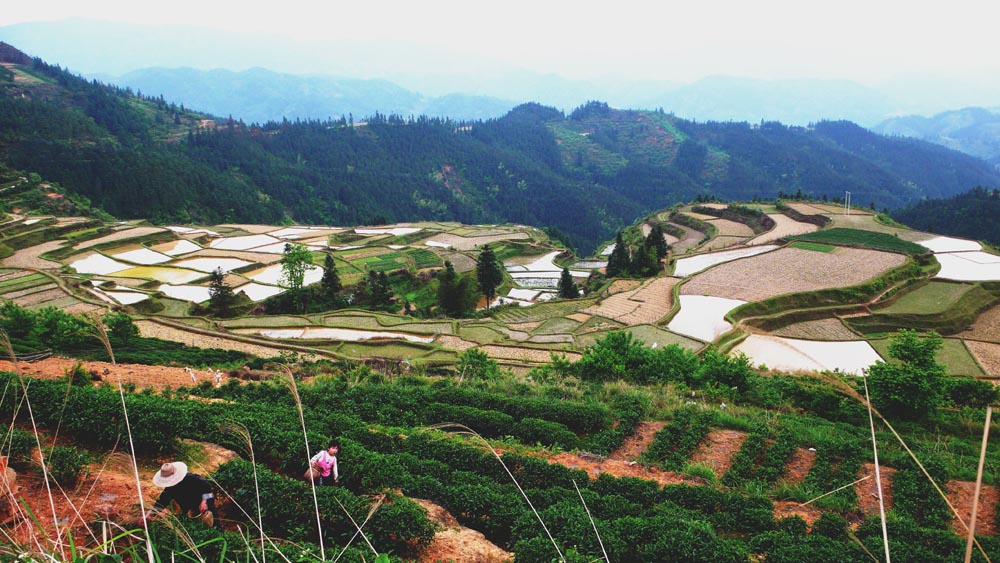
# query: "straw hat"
[[170, 474]]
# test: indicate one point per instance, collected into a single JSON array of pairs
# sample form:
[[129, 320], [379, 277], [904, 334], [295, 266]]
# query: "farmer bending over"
[[190, 492]]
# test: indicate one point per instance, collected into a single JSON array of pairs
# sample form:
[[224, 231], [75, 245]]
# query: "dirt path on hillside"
[[867, 490], [142, 376], [798, 465], [637, 444], [456, 543], [718, 449]]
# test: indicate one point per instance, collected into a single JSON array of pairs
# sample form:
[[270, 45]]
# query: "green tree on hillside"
[[489, 273], [331, 278], [220, 295], [294, 263], [910, 389], [618, 262], [655, 240], [453, 292], [567, 287]]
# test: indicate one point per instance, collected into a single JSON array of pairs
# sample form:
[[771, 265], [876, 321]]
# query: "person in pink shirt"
[[325, 463]]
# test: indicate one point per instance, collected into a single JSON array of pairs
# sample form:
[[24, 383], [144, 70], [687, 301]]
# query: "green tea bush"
[[66, 464]]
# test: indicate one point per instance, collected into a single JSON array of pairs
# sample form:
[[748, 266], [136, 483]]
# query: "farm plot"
[[31, 257], [138, 254], [161, 274], [192, 293], [687, 266], [543, 311], [176, 248], [791, 270], [346, 334], [933, 298], [727, 228], [531, 355], [986, 327], [784, 226], [822, 329], [47, 293], [950, 244], [30, 281], [969, 266], [703, 317], [258, 292], [721, 242], [863, 238], [246, 255], [244, 242], [272, 275], [646, 229], [124, 234], [987, 354], [125, 295], [647, 304], [95, 263], [447, 240], [954, 356], [787, 354]]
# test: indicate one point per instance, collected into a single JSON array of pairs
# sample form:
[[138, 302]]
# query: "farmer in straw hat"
[[192, 493]]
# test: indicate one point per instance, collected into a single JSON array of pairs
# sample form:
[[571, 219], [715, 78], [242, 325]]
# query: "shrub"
[[969, 392], [66, 464], [22, 445]]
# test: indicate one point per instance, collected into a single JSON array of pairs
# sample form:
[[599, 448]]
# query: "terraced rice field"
[[969, 266], [687, 266], [243, 242], [646, 229], [949, 244], [935, 297], [176, 248], [727, 228], [150, 329], [987, 354], [723, 242], [703, 317], [139, 254], [791, 270], [97, 264], [31, 257], [647, 304], [784, 226], [192, 293], [532, 355], [805, 355], [246, 255], [650, 335], [351, 335], [37, 296], [447, 240], [822, 329], [162, 274], [123, 234]]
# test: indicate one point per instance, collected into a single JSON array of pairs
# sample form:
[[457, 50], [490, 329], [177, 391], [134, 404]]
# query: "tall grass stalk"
[[101, 332], [878, 477], [241, 432], [466, 431], [358, 529], [5, 340], [848, 390], [592, 523], [289, 381]]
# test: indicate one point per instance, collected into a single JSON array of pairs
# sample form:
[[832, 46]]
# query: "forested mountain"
[[974, 214], [587, 174], [974, 131]]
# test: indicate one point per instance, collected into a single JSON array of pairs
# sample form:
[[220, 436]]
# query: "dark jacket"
[[188, 493]]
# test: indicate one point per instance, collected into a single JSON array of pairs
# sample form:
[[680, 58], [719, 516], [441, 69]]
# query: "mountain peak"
[[10, 54]]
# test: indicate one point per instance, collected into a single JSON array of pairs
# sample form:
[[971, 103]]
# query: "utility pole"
[[847, 203]]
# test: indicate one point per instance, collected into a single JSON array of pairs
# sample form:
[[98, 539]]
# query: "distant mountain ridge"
[[259, 95], [586, 175], [973, 130]]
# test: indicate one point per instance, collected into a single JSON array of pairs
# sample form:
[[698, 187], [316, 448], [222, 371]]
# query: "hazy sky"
[[868, 41]]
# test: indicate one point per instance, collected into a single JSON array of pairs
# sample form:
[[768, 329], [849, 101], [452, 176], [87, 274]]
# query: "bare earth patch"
[[579, 317], [787, 508], [822, 329], [456, 543], [455, 343], [30, 257], [717, 450], [790, 270], [798, 465], [40, 297], [637, 444], [721, 242], [986, 327], [156, 377], [784, 226], [469, 243], [29, 291], [617, 468], [690, 240], [727, 228], [868, 490], [647, 304], [987, 354], [961, 495]]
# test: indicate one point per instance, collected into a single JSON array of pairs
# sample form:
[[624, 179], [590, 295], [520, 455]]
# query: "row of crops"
[[386, 446]]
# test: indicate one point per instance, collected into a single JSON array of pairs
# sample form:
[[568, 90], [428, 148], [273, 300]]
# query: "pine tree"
[[567, 287], [451, 291], [220, 295], [655, 240], [618, 262], [331, 279], [488, 273]]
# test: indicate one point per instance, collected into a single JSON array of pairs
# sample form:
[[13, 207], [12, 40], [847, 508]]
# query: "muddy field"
[[987, 354], [790, 270]]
